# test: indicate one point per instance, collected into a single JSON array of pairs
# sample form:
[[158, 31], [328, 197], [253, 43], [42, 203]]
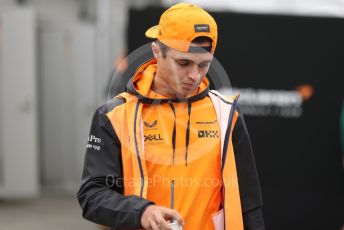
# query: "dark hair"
[[164, 48], [198, 40], [202, 39]]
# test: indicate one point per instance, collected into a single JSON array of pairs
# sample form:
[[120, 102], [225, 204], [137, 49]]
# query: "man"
[[169, 149]]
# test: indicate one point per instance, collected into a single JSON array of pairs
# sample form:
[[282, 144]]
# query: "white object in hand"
[[175, 226]]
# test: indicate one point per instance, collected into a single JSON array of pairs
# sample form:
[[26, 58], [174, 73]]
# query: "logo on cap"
[[202, 28]]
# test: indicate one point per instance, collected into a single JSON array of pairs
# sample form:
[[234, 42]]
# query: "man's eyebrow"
[[183, 59], [189, 60]]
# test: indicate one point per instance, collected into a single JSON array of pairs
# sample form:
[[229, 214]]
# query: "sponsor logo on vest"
[[208, 134], [206, 122], [154, 137], [154, 123]]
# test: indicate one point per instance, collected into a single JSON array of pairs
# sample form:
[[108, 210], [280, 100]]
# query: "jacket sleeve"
[[250, 193], [101, 193]]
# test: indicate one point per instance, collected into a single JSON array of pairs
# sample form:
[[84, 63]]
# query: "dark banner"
[[290, 74]]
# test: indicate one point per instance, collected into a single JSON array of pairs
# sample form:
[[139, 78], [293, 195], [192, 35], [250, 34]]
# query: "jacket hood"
[[141, 82]]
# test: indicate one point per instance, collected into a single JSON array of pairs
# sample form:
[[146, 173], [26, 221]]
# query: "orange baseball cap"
[[182, 23]]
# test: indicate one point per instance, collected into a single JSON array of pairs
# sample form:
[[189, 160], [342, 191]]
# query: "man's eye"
[[203, 65], [183, 63]]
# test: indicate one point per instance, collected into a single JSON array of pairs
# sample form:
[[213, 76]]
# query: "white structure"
[[18, 105], [68, 101]]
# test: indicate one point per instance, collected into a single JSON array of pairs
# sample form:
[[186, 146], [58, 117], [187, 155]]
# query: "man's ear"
[[155, 49]]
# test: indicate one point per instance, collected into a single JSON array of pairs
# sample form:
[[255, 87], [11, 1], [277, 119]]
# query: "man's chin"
[[185, 93]]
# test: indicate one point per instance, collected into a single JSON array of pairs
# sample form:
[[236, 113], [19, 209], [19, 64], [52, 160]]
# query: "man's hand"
[[156, 217]]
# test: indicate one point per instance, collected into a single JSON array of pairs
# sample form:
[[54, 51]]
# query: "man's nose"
[[194, 73]]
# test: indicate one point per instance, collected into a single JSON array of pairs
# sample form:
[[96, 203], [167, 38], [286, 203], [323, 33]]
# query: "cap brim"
[[152, 32]]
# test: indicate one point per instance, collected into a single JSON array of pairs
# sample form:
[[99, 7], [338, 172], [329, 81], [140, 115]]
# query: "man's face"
[[179, 73]]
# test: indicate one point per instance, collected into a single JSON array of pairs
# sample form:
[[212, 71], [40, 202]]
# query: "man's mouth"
[[188, 86]]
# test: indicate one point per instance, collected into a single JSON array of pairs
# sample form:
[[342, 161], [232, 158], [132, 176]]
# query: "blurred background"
[[61, 59]]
